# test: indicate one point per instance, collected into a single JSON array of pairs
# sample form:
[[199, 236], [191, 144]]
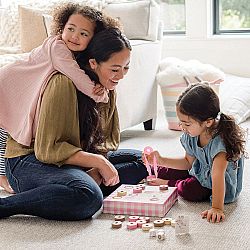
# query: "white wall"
[[231, 53]]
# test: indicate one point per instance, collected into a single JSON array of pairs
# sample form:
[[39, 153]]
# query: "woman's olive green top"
[[57, 136]]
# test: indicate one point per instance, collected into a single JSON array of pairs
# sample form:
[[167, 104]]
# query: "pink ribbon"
[[147, 151]]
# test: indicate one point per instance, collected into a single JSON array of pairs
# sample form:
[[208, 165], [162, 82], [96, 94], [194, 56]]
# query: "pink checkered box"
[[151, 202]]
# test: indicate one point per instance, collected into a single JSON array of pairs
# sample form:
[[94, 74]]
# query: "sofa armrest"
[[160, 30], [137, 92]]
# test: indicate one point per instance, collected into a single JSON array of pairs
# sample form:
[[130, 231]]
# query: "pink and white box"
[[151, 202]]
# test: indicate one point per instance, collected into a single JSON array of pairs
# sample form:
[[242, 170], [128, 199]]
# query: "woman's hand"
[[213, 215], [107, 171], [5, 184]]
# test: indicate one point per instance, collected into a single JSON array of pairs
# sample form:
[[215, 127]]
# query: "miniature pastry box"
[[141, 199]]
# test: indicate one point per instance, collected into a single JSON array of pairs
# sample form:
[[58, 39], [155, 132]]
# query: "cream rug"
[[24, 232]]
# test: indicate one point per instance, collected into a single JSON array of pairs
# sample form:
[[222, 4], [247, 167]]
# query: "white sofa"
[[137, 92]]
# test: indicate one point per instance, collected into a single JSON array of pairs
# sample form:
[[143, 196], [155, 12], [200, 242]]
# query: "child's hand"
[[157, 182], [213, 215], [5, 184], [99, 90], [151, 156]]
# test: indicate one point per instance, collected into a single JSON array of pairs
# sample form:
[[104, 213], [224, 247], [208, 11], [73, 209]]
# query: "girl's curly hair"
[[62, 12]]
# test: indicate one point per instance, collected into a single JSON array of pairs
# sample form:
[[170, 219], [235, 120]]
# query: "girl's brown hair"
[[200, 102]]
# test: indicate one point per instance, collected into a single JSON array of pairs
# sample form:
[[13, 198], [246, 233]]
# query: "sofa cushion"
[[47, 22], [140, 19], [32, 27]]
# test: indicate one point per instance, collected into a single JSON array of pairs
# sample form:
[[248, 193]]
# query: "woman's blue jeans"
[[66, 192]]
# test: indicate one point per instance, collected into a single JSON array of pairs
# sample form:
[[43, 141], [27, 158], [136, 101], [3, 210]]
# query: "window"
[[231, 16], [173, 16]]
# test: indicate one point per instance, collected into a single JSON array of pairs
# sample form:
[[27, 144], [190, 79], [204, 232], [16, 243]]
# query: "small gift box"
[[150, 202]]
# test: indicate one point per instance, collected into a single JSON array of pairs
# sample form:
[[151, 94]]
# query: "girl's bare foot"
[[94, 173]]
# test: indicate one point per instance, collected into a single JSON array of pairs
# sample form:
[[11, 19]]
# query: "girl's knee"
[[185, 191], [191, 190]]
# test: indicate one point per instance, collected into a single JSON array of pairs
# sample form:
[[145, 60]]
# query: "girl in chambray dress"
[[214, 144]]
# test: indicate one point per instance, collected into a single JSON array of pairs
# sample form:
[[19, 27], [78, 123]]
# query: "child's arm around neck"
[[63, 61]]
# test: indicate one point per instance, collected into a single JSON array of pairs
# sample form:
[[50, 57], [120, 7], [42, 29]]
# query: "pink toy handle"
[[155, 167], [147, 151]]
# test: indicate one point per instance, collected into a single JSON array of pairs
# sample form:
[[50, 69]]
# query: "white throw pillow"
[[140, 19], [235, 97]]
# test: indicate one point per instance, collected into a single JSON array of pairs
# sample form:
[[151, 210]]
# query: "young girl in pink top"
[[22, 83]]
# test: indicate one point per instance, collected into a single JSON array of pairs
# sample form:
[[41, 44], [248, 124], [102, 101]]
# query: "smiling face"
[[78, 32], [113, 70]]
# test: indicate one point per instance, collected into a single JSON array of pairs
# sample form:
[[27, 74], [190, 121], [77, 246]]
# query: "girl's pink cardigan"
[[22, 84]]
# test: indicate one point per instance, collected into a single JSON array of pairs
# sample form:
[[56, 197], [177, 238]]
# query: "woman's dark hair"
[[89, 123], [200, 102], [101, 47], [62, 12]]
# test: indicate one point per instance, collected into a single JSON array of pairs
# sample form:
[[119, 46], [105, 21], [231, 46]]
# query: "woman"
[[50, 177]]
